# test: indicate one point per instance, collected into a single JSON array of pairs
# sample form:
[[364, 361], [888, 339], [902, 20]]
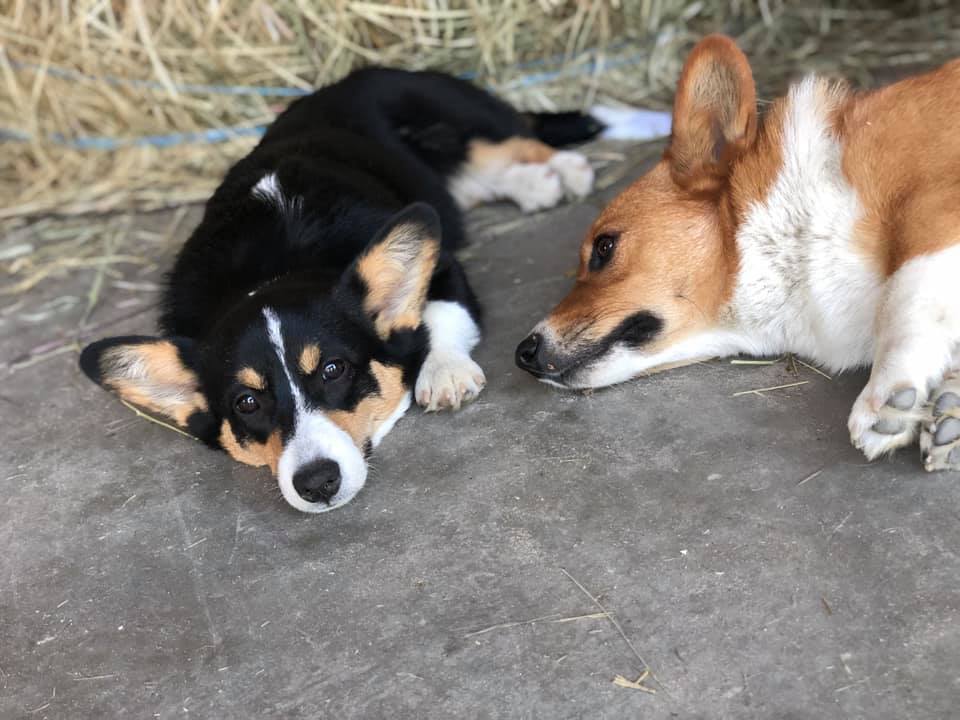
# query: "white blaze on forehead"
[[315, 437]]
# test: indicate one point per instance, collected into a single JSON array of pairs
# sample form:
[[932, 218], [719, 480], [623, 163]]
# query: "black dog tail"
[[563, 128]]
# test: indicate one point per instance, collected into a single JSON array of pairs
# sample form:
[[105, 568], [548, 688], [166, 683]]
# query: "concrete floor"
[[144, 576]]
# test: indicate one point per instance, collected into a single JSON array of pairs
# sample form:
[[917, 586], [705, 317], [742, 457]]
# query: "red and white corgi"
[[829, 227]]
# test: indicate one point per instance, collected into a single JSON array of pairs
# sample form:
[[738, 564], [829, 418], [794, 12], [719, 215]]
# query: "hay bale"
[[109, 104]]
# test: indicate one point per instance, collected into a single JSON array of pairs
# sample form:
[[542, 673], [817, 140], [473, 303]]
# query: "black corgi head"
[[297, 378]]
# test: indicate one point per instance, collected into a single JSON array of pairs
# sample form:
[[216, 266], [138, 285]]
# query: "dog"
[[320, 289], [829, 228]]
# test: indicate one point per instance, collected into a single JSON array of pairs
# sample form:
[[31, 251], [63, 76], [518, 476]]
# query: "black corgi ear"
[[396, 269], [155, 373]]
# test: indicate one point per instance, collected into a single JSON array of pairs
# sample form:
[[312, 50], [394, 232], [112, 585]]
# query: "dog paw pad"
[[888, 426], [903, 399], [940, 437], [947, 401], [947, 431], [878, 426]]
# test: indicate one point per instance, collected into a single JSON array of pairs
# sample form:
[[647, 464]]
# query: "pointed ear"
[[396, 269], [155, 373], [714, 113]]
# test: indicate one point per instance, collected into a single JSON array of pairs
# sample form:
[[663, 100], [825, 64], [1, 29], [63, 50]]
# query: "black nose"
[[320, 480], [529, 356]]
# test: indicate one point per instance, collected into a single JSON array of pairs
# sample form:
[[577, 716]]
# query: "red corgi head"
[[657, 266]]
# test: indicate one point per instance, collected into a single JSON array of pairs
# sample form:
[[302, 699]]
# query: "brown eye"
[[603, 247], [332, 369], [246, 404]]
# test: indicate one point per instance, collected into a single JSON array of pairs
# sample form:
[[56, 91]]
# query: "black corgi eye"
[[246, 404], [603, 246], [332, 369]]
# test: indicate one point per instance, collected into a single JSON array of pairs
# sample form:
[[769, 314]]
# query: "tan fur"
[[361, 422], [714, 114], [485, 156], [251, 452], [153, 377], [309, 359], [251, 378], [902, 156], [677, 253], [682, 271], [397, 273]]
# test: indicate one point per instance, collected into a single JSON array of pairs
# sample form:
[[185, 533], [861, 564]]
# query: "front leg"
[[917, 329], [449, 377]]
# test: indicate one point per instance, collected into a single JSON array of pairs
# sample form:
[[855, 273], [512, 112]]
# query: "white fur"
[[387, 425], [532, 186], [315, 436], [804, 287], [801, 286], [622, 363], [575, 173], [268, 189], [627, 123], [449, 376], [917, 330]]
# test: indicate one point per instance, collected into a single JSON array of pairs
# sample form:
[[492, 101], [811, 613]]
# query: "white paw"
[[575, 172], [447, 380], [940, 435], [883, 420], [532, 186]]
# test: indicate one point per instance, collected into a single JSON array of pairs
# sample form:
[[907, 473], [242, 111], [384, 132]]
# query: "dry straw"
[[110, 73]]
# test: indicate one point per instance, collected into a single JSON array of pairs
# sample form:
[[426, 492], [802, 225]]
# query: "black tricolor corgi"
[[320, 288]]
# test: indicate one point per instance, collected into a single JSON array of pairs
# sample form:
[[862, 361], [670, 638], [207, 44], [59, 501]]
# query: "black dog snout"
[[320, 480], [533, 356]]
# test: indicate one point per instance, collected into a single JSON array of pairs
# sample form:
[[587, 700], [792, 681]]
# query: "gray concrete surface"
[[144, 576]]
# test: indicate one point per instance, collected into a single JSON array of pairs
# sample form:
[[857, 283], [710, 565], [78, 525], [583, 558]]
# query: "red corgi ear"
[[397, 268], [714, 113], [153, 373]]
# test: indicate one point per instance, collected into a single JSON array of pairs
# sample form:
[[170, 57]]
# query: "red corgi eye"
[[246, 404], [332, 369], [604, 245]]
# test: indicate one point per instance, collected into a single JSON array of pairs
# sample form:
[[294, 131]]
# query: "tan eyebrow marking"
[[251, 378], [309, 358]]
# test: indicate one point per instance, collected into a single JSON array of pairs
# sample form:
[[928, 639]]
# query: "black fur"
[[347, 158]]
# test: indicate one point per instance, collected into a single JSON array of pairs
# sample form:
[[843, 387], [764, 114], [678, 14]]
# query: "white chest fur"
[[802, 286]]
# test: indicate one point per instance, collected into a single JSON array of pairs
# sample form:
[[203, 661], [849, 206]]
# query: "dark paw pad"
[[947, 401], [889, 426], [948, 430], [903, 399]]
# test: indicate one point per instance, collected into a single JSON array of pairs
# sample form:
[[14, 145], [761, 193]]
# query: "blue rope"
[[216, 135]]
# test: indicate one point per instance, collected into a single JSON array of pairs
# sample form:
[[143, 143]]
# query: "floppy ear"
[[714, 113], [397, 267], [155, 373]]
